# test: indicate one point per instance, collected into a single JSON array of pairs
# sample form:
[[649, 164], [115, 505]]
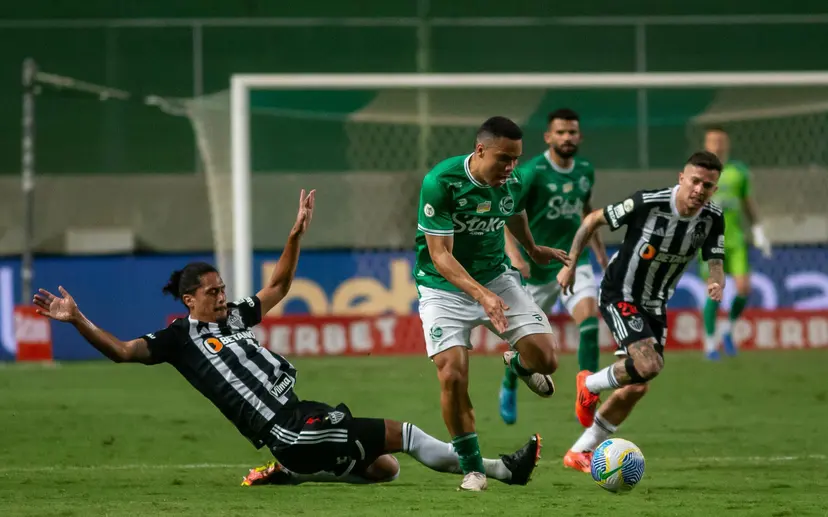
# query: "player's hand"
[[566, 279], [714, 291], [495, 309], [761, 241], [544, 255], [55, 307], [303, 218]]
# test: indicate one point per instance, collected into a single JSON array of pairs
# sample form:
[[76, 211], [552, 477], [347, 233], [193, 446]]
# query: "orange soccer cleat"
[[578, 460], [273, 473], [586, 401]]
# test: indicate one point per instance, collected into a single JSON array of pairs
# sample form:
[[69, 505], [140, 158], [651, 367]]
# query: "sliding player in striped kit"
[[216, 351]]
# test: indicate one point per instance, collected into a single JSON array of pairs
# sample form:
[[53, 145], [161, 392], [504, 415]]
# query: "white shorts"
[[545, 295], [448, 317]]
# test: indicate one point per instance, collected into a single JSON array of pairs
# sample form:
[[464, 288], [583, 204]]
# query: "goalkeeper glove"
[[760, 240]]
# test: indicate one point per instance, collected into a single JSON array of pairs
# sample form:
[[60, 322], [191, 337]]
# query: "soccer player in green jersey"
[[736, 199], [559, 188], [464, 278]]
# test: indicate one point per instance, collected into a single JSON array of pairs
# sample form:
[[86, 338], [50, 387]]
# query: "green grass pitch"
[[746, 436]]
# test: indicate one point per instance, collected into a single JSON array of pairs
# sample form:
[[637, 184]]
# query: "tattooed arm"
[[566, 277], [716, 279]]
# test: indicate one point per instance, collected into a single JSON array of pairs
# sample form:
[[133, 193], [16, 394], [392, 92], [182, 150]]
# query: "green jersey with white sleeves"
[[452, 202], [555, 200]]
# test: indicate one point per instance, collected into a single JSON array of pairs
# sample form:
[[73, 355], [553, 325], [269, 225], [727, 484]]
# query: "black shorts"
[[630, 323], [310, 437]]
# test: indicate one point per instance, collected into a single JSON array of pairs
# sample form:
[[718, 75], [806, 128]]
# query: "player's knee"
[[537, 352], [547, 361], [453, 377], [384, 469], [649, 367]]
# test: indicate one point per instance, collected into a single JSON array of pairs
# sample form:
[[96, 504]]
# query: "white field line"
[[200, 466]]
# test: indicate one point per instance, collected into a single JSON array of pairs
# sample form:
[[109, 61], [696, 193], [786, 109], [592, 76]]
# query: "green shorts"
[[735, 263]]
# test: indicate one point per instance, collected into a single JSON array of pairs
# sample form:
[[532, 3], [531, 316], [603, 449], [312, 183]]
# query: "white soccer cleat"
[[539, 383], [474, 482]]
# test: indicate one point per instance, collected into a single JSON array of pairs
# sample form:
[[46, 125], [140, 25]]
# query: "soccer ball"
[[617, 465]]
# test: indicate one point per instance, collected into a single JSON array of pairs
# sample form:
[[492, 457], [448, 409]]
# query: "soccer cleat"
[[537, 382], [712, 355], [272, 473], [586, 401], [578, 460], [728, 345], [474, 482], [522, 462], [508, 405]]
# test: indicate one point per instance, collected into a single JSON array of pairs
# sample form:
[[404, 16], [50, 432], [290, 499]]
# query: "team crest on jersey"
[[507, 205], [584, 184], [484, 207], [628, 204], [234, 320], [336, 417], [428, 210], [698, 235], [636, 323]]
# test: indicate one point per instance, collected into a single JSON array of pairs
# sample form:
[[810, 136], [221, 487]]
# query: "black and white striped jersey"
[[225, 362], [657, 248]]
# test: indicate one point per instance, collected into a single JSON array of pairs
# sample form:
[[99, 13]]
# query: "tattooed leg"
[[642, 364]]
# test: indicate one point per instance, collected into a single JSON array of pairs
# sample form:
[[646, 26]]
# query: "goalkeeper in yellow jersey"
[[736, 199]]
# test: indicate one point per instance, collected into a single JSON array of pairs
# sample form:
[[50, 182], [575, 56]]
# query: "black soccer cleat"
[[522, 462]]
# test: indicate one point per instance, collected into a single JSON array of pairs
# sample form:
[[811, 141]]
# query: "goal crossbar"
[[242, 84], [530, 80]]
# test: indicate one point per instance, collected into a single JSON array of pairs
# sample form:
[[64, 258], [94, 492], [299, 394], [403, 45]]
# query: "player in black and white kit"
[[215, 349], [665, 230]]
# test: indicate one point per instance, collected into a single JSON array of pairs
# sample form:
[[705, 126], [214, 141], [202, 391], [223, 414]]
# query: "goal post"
[[242, 85]]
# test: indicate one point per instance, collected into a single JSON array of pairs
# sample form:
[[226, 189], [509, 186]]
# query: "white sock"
[[440, 456], [711, 344], [602, 380], [599, 431]]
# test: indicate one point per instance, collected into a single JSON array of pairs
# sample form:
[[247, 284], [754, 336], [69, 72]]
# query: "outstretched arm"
[[585, 232], [597, 243], [513, 252], [282, 277], [65, 309], [566, 276], [518, 226]]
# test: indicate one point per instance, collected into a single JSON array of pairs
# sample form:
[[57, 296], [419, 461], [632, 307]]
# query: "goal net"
[[366, 141]]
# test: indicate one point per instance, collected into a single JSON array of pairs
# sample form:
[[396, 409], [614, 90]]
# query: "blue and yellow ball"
[[617, 465]]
